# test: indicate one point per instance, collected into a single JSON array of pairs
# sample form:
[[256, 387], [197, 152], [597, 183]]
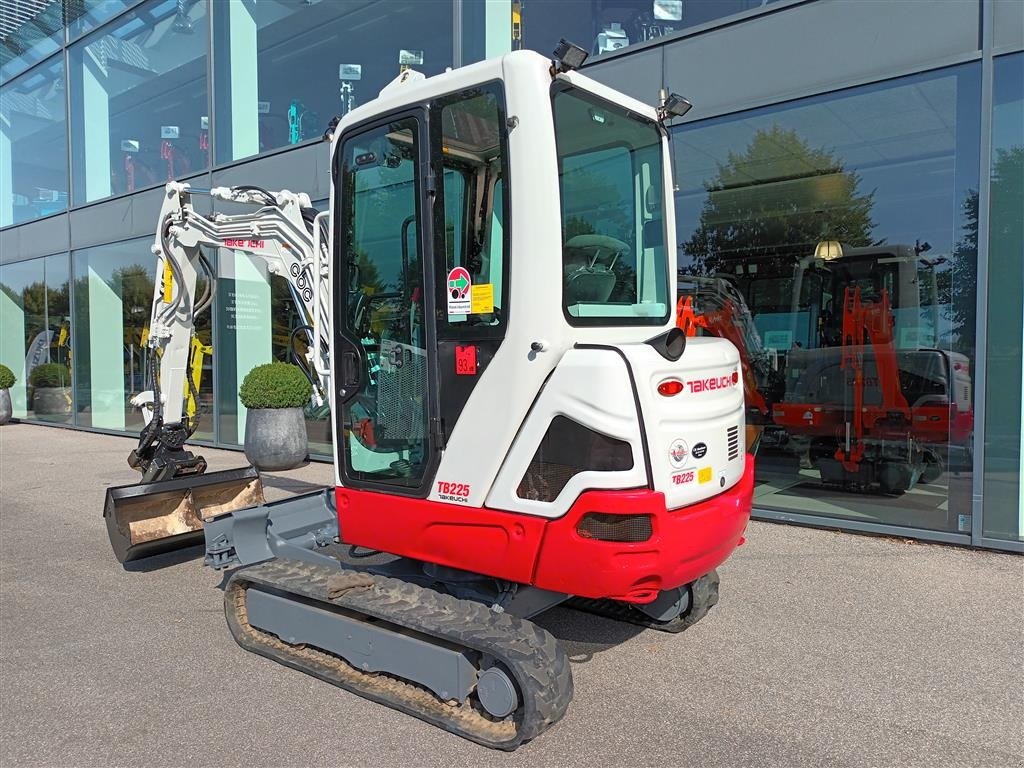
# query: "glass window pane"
[[33, 145], [383, 306], [840, 233], [1004, 493], [37, 30], [470, 154], [86, 15], [258, 321], [283, 68], [36, 321], [610, 174], [113, 303], [139, 100], [599, 26]]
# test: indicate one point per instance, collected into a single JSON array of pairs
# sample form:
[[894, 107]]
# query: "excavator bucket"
[[151, 518]]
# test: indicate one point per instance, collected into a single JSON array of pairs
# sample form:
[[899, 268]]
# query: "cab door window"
[[469, 155]]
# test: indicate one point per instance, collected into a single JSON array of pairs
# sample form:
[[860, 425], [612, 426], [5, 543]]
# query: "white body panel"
[[710, 405], [591, 387]]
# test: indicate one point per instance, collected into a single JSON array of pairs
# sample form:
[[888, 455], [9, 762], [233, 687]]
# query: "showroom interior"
[[840, 158]]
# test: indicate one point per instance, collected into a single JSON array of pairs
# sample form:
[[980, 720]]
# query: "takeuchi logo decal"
[[715, 382]]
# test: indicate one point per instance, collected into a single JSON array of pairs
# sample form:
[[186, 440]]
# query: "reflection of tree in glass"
[[780, 197], [1007, 226]]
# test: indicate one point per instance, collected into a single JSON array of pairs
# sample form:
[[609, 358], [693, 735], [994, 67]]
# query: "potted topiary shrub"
[[51, 391], [6, 382], [275, 430]]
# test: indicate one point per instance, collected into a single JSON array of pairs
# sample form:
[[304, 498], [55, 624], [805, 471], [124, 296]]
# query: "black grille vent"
[[733, 440], [605, 527]]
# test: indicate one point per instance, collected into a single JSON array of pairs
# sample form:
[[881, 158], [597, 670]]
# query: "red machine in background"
[[856, 387], [872, 412]]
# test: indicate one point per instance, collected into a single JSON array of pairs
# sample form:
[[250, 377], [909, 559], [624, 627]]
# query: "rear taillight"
[[621, 528], [670, 387]]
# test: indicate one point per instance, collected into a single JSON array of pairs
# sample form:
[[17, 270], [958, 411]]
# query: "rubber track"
[[533, 656], [703, 596]]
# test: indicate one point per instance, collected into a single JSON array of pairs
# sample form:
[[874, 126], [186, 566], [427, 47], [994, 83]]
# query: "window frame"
[[463, 330]]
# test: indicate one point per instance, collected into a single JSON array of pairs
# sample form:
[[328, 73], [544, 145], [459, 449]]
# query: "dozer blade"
[[152, 518]]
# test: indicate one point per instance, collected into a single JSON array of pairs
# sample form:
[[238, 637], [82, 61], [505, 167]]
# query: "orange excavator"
[[712, 306]]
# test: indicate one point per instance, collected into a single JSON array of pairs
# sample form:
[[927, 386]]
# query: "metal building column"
[[981, 305]]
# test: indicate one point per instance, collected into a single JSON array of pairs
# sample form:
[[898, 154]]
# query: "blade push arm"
[[286, 235]]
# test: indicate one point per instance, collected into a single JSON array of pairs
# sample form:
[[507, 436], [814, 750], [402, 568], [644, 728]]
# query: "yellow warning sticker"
[[483, 299], [704, 475]]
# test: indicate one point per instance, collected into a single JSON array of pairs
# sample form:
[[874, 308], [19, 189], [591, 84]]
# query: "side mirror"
[[653, 233]]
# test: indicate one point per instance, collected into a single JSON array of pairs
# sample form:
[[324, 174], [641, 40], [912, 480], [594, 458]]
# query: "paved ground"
[[826, 649]]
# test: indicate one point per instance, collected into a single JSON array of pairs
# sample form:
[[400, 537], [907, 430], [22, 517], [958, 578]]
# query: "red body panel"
[[686, 543], [499, 544]]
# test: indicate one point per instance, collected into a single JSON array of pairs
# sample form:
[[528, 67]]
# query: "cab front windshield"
[[614, 263]]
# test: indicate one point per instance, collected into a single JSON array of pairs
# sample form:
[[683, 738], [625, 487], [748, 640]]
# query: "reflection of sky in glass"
[[33, 177], [902, 138], [1008, 109]]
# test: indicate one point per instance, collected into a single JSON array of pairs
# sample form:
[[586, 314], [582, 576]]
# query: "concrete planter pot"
[[52, 403], [275, 438], [6, 411]]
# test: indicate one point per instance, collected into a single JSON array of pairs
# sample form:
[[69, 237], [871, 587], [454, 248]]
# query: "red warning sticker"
[[465, 360]]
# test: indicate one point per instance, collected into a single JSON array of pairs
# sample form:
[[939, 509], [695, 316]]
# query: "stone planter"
[[5, 406], [275, 438], [52, 403]]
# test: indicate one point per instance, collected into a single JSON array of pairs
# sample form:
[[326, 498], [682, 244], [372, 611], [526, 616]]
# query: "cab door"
[[385, 366]]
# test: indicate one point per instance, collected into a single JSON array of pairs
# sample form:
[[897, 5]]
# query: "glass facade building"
[[844, 163]]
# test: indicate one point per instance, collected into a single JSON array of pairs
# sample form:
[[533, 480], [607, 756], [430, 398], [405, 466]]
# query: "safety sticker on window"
[[483, 299], [460, 292]]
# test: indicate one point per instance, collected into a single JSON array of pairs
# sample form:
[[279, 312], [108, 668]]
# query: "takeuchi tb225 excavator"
[[518, 422]]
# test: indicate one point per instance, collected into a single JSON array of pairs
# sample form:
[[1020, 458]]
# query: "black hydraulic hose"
[[302, 364], [268, 198], [158, 408], [170, 309], [211, 285]]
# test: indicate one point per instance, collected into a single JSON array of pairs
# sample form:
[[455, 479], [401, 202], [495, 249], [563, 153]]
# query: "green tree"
[[1006, 232], [779, 197]]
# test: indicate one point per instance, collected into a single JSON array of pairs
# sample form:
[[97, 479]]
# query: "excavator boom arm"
[[284, 233]]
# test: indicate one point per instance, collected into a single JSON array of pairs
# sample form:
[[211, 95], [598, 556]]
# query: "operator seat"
[[587, 271]]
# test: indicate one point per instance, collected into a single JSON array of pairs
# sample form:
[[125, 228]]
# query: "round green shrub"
[[6, 377], [275, 385], [50, 375]]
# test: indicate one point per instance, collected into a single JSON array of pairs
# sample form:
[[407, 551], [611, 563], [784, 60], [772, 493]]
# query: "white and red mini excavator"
[[489, 311]]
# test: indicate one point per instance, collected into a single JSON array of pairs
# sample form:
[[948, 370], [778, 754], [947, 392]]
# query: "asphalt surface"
[[826, 649]]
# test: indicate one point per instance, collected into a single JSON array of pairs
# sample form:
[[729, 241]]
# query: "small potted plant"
[[6, 382], [51, 391], [275, 428]]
